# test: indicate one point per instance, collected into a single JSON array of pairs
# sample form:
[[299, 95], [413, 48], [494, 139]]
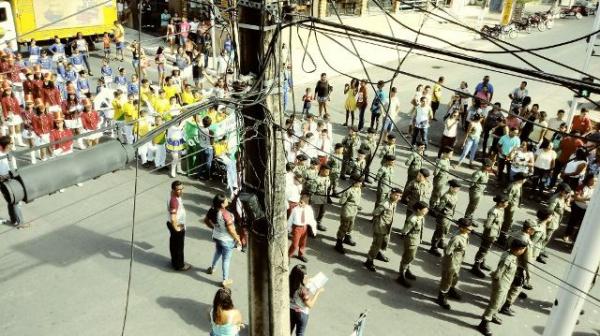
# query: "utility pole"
[[586, 65], [585, 259], [265, 174], [213, 42]]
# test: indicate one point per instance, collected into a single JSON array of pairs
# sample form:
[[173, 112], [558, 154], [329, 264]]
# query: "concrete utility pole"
[[586, 66], [585, 258], [265, 174], [213, 42]]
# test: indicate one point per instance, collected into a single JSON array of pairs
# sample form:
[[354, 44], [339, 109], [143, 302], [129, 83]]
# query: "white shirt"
[[572, 166], [422, 114], [394, 107], [520, 162], [296, 218], [586, 192], [544, 159], [324, 145], [293, 191], [4, 165], [465, 101], [553, 123], [451, 131], [537, 130], [194, 25]]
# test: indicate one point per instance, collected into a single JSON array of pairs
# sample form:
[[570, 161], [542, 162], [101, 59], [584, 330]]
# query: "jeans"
[[15, 214], [223, 249], [361, 117], [205, 162], [423, 133], [86, 61], [298, 321], [503, 165], [470, 148]]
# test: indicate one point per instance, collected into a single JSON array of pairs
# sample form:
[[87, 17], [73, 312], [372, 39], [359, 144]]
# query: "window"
[[2, 14]]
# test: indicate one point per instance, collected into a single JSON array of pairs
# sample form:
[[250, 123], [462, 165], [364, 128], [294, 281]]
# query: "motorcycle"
[[522, 25], [498, 31], [535, 21], [579, 11], [547, 18]]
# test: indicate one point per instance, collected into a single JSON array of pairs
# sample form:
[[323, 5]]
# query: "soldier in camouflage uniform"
[[491, 230], [502, 279], [454, 254], [513, 192], [318, 198], [351, 145], [444, 212], [301, 164], [335, 163], [349, 201], [369, 144], [440, 176], [359, 163], [522, 278], [479, 180], [389, 148], [412, 232], [558, 202], [414, 162], [417, 190], [383, 218], [544, 217], [384, 179]]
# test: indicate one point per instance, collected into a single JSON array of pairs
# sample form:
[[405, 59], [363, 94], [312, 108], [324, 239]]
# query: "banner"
[[225, 128]]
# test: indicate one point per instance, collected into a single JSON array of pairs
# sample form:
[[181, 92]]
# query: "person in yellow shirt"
[[160, 151], [143, 126], [187, 96], [174, 109], [130, 114], [198, 96], [118, 116], [161, 104], [171, 89], [145, 91]]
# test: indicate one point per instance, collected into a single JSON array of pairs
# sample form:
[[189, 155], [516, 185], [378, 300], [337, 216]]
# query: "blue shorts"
[[388, 126], [120, 45]]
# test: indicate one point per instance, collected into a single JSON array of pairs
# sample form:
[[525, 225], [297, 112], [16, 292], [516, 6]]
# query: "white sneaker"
[[79, 184], [61, 191]]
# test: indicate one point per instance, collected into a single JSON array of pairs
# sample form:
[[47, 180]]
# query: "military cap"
[[389, 157], [420, 143], [543, 213], [500, 198], [371, 130], [453, 183], [519, 176], [447, 149], [325, 166], [528, 224], [314, 162], [487, 163], [420, 205], [357, 178], [338, 145], [464, 223], [518, 243], [396, 191], [362, 151], [301, 157], [289, 166], [425, 172]]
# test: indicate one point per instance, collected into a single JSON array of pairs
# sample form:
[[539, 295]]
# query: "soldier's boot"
[[506, 310], [349, 241], [321, 227], [434, 250], [497, 320], [454, 294], [339, 246], [441, 244], [476, 270], [382, 257], [485, 267], [409, 275], [501, 239], [484, 327], [522, 296], [369, 265], [442, 300], [402, 280]]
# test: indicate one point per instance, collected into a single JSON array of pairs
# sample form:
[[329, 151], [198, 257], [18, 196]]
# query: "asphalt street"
[[67, 274]]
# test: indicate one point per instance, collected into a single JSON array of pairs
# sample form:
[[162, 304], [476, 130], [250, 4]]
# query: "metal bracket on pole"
[[271, 7]]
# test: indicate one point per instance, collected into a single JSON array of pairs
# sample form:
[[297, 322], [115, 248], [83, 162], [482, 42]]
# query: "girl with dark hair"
[[225, 320], [350, 90], [301, 299], [224, 234], [582, 197], [575, 169]]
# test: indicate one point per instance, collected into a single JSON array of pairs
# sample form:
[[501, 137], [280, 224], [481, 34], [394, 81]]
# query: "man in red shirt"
[[582, 122], [567, 147]]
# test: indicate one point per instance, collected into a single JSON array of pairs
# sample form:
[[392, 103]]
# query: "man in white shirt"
[[309, 146], [301, 217], [554, 123], [422, 118], [293, 190], [6, 165], [323, 143]]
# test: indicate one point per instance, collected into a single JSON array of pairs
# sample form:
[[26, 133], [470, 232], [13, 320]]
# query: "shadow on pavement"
[[192, 312]]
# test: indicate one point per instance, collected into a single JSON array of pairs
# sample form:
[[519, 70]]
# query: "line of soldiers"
[[351, 159]]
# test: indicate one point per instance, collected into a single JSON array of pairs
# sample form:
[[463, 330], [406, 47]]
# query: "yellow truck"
[[22, 20]]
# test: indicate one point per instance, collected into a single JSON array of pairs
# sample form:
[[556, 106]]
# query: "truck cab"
[[8, 32]]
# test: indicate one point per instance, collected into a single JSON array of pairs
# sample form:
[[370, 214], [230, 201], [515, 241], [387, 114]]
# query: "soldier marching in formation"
[[444, 211], [350, 201], [440, 176], [479, 180], [383, 218]]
